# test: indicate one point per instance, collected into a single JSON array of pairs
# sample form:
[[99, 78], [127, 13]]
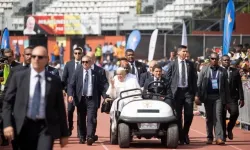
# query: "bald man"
[[101, 72], [35, 98], [148, 74]]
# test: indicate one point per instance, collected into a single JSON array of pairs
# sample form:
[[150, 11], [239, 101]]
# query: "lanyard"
[[216, 77]]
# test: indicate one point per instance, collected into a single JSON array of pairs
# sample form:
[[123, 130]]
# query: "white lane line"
[[206, 135], [104, 146]]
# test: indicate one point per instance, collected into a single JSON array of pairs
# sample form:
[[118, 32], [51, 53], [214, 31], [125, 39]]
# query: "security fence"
[[196, 44]]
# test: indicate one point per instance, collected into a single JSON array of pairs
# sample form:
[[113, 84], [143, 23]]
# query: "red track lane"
[[197, 136]]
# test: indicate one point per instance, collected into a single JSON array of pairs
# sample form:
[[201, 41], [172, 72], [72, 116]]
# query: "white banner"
[[184, 34], [152, 45]]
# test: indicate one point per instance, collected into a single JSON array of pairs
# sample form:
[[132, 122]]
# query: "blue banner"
[[228, 26], [5, 42], [133, 40]]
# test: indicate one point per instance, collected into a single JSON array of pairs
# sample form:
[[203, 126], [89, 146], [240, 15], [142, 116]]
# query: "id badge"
[[214, 84]]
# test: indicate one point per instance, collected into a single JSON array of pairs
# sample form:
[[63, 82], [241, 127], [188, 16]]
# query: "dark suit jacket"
[[68, 72], [144, 76], [141, 68], [101, 73], [17, 97], [235, 85], [76, 86], [166, 86], [202, 83], [173, 76], [53, 71]]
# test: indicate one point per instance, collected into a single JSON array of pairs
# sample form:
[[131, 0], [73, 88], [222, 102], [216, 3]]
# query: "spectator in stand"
[[56, 51], [104, 51], [62, 50], [98, 53], [17, 52], [237, 54], [110, 52], [172, 56], [87, 48]]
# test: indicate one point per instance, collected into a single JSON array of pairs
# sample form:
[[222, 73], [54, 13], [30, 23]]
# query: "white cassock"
[[130, 82]]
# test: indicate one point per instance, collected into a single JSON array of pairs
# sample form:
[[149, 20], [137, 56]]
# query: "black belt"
[[87, 97], [183, 88], [42, 121]]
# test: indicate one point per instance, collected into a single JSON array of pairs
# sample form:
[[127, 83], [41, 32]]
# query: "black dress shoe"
[[230, 135], [82, 141], [4, 142], [95, 138], [186, 139], [181, 143], [70, 133], [90, 141]]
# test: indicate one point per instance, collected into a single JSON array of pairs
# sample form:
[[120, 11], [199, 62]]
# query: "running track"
[[197, 136]]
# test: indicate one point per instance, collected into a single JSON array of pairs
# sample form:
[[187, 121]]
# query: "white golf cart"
[[146, 118]]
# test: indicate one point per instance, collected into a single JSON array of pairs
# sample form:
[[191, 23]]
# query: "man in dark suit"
[[182, 76], [84, 90], [236, 94], [11, 60], [39, 112], [164, 86], [137, 68], [68, 72], [23, 66], [52, 70], [213, 91], [144, 76], [103, 79]]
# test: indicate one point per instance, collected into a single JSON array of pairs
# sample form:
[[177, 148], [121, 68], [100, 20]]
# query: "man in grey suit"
[[182, 76], [213, 91], [84, 90]]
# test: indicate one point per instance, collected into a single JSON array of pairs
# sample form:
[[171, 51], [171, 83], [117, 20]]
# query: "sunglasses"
[[226, 60], [213, 58], [36, 56], [85, 62], [77, 53]]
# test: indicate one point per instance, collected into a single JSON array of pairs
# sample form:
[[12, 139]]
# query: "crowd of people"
[[34, 114]]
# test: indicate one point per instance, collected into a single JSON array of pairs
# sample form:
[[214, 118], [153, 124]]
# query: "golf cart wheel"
[[172, 136], [113, 137], [123, 135]]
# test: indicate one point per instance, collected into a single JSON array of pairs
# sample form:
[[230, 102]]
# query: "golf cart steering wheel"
[[156, 89]]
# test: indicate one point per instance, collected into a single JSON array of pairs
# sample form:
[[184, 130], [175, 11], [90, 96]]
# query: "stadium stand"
[[115, 13]]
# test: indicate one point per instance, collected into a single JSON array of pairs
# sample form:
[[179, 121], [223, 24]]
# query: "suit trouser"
[[95, 121], [233, 110], [214, 110], [86, 109], [34, 136], [184, 99], [71, 109]]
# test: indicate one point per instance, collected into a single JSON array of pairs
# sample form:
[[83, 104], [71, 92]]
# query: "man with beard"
[[236, 97]]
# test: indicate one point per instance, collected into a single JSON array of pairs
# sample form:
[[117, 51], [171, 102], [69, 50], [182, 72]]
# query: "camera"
[[3, 59]]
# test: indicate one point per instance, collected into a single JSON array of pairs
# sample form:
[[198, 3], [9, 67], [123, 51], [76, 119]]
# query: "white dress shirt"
[[90, 85], [33, 81], [180, 73], [136, 71]]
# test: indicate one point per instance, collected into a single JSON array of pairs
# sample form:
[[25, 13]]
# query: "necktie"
[[77, 64], [133, 68], [36, 99], [85, 85], [183, 73]]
